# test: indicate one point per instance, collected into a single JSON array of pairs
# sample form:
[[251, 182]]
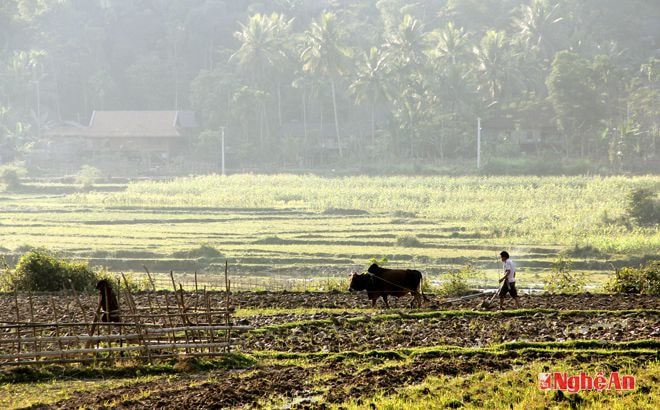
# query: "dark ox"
[[382, 282], [108, 304]]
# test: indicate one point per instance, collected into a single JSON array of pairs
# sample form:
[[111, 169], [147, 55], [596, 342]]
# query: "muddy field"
[[290, 300], [65, 307], [380, 342]]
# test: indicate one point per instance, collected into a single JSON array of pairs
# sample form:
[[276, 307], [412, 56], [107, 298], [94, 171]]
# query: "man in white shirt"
[[509, 279]]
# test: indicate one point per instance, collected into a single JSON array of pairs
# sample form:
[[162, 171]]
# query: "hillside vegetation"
[[561, 86]]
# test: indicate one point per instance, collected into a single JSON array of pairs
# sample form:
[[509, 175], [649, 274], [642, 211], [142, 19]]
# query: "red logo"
[[583, 381], [545, 381]]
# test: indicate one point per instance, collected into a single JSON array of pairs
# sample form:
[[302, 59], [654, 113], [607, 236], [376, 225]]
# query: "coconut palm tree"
[[495, 64], [263, 44], [281, 30], [453, 62], [264, 52], [370, 84], [325, 56], [26, 72], [453, 44], [537, 34], [406, 49], [407, 46], [536, 24]]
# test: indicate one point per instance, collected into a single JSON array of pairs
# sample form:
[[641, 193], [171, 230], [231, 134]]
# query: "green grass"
[[55, 383], [23, 395], [509, 349], [244, 312], [517, 389], [308, 226], [121, 370], [497, 389]]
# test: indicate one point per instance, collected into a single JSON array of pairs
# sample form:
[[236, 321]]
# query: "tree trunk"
[[442, 139], [261, 127], [304, 107], [265, 116], [413, 134], [279, 104], [306, 142], [334, 107], [373, 123]]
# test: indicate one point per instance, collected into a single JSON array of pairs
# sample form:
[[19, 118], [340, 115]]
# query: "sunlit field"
[[314, 227], [300, 233]]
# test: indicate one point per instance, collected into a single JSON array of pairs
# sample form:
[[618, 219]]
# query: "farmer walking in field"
[[509, 279]]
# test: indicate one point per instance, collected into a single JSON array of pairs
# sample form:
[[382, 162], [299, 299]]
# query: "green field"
[[310, 227]]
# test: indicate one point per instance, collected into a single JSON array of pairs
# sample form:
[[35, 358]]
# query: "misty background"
[[157, 87]]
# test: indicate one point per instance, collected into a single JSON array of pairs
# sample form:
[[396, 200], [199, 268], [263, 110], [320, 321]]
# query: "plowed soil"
[[71, 308], [334, 378]]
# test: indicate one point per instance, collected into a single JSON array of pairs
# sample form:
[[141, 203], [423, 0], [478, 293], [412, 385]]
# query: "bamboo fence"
[[171, 324]]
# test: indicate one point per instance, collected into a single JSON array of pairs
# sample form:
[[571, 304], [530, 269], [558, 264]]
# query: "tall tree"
[[25, 92], [638, 132], [536, 24], [325, 56], [452, 61], [370, 84], [407, 46], [263, 52], [452, 44], [574, 98], [406, 49], [497, 68]]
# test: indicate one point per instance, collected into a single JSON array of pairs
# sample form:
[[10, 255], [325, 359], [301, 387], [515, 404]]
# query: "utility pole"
[[478, 142], [222, 148]]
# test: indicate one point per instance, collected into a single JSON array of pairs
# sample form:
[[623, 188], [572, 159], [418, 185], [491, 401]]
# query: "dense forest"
[[316, 83]]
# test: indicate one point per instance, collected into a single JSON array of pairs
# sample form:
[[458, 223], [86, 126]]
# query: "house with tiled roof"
[[140, 140]]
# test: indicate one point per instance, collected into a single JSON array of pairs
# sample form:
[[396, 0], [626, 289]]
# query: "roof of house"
[[141, 124]]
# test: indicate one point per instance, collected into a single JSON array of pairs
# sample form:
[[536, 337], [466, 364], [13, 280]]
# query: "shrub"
[[5, 275], [38, 270], [456, 283], [535, 166], [562, 280], [586, 251], [208, 144], [88, 176], [643, 207], [132, 282], [521, 166], [381, 262], [335, 285], [10, 175], [644, 280], [408, 242], [204, 251]]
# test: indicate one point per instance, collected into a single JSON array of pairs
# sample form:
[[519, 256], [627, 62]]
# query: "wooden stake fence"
[[146, 333]]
